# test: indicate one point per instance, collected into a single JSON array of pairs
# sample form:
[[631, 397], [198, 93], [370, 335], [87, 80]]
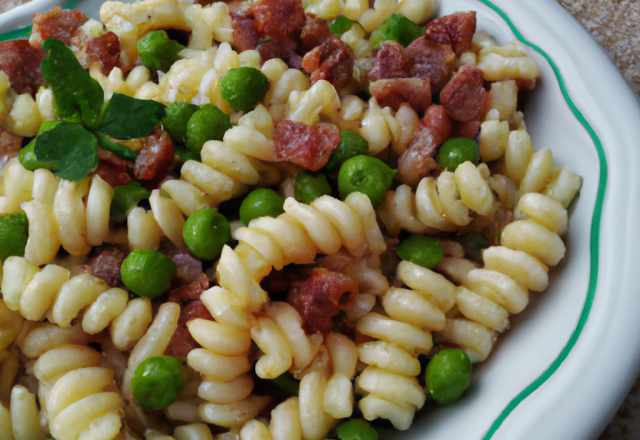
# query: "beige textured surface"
[[615, 24], [5, 5]]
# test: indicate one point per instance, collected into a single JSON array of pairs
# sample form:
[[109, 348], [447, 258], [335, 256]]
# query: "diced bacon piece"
[[315, 32], [278, 281], [468, 129], [416, 160], [464, 96], [106, 265], [155, 160], [59, 23], [430, 59], [10, 146], [304, 145], [321, 297], [455, 30], [105, 50], [391, 62], [188, 268], [112, 169], [393, 92], [332, 61], [21, 63], [245, 32], [285, 50], [190, 308], [279, 19]]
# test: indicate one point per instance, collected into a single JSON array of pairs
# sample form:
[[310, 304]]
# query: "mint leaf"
[[71, 149], [117, 149], [130, 118], [27, 155], [78, 97], [125, 197]]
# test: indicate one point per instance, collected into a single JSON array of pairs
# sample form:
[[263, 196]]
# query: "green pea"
[[147, 273], [14, 233], [206, 233], [356, 429], [397, 28], [124, 197], [341, 25], [260, 203], [157, 382], [456, 151], [474, 243], [351, 145], [309, 186], [448, 375], [207, 124], [421, 250], [177, 117], [157, 51], [243, 87], [367, 175], [27, 155]]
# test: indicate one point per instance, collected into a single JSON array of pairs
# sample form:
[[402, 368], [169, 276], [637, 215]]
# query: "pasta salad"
[[276, 219]]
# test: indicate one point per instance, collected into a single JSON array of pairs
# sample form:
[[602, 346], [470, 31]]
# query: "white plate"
[[571, 356]]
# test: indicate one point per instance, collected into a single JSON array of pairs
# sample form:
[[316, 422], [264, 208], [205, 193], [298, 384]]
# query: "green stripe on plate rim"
[[595, 235], [25, 32], [595, 225]]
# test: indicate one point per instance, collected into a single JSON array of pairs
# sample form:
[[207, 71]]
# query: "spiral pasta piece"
[[268, 242], [21, 420], [442, 204], [402, 333], [53, 293], [486, 296], [228, 167], [77, 404]]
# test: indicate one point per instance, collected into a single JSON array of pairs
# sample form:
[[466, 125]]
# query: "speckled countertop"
[[615, 24]]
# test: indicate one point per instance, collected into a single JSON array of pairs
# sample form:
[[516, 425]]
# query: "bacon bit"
[[285, 50], [455, 30], [430, 59], [278, 281], [59, 23], [155, 160], [314, 33], [188, 267], [21, 63], [189, 292], [304, 145], [393, 92], [468, 129], [332, 61], [112, 169], [245, 32], [279, 19], [391, 62], [416, 160], [10, 146], [105, 50], [106, 265], [321, 297], [524, 85], [464, 96], [191, 308]]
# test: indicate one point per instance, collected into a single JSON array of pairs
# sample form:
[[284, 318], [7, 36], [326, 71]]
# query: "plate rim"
[[595, 224]]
